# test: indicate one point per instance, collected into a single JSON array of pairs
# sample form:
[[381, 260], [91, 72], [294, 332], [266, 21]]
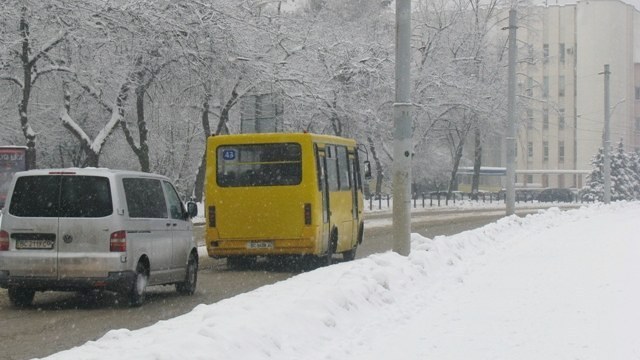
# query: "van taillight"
[[118, 242], [4, 240], [212, 216], [307, 214]]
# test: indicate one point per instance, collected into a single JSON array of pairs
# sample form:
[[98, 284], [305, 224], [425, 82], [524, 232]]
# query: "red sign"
[[12, 160]]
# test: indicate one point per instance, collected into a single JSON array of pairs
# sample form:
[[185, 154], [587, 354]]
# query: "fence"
[[423, 200]]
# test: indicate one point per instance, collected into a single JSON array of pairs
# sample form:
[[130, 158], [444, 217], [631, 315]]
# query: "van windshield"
[[61, 196], [259, 165]]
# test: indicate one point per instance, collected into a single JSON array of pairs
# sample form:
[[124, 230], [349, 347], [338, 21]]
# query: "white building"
[[563, 51]]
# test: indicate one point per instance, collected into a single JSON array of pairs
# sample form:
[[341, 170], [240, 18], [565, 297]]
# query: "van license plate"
[[260, 245], [34, 244]]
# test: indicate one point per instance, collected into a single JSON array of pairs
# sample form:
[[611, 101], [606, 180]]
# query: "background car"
[[556, 194]]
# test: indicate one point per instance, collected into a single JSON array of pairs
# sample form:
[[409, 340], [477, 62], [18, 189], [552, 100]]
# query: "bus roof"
[[256, 138]]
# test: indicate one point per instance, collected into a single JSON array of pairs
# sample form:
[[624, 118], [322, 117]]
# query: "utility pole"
[[511, 109], [403, 148], [606, 142]]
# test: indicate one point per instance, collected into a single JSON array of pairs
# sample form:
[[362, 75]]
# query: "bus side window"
[[332, 168], [320, 167], [343, 168]]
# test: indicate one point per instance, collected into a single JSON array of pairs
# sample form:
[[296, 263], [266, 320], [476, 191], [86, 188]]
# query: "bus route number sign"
[[229, 154]]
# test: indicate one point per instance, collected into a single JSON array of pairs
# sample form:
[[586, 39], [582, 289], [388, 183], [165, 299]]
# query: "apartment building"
[[563, 50]]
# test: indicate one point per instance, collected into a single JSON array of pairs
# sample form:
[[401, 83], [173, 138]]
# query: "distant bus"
[[283, 194], [12, 160]]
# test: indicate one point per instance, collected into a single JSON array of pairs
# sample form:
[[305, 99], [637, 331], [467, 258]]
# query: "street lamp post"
[[510, 142], [606, 141], [402, 149]]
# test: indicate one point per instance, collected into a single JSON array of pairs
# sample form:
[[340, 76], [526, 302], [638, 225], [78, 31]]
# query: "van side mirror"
[[367, 170], [192, 209]]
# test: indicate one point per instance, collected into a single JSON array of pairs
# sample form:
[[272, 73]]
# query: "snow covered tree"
[[30, 33], [624, 176], [594, 188], [460, 67]]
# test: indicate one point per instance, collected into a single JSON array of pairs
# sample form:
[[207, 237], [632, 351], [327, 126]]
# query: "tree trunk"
[[202, 169], [336, 124], [143, 150], [93, 148], [92, 159], [27, 68], [376, 159], [224, 114], [477, 163], [454, 171]]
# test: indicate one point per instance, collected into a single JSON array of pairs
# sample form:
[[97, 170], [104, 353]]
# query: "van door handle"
[[168, 224]]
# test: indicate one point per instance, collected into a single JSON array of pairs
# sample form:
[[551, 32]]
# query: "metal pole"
[[511, 109], [402, 149], [606, 142]]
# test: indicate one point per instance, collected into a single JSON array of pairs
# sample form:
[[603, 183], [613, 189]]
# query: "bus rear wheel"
[[327, 258], [350, 254]]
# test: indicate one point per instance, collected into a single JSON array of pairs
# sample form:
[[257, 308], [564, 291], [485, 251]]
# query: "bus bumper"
[[242, 247]]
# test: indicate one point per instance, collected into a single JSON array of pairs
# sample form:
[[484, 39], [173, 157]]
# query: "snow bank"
[[558, 284]]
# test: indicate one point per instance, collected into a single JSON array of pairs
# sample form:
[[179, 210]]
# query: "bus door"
[[323, 186], [354, 174]]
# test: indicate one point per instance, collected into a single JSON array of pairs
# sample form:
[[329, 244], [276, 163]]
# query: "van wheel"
[[139, 287], [188, 287], [21, 297]]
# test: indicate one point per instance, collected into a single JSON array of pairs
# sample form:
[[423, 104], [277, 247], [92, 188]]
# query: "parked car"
[[556, 194], [85, 229], [527, 194]]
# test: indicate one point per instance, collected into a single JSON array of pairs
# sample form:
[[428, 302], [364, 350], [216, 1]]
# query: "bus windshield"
[[259, 165]]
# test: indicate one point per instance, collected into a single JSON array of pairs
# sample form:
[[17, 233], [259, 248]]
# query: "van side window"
[[145, 198], [176, 208]]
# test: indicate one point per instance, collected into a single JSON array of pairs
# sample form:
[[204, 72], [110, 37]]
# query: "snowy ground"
[[554, 285]]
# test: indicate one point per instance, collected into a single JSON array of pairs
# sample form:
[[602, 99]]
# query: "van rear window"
[[61, 196]]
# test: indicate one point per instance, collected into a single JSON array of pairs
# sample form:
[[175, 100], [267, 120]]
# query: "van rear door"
[[33, 210], [84, 230]]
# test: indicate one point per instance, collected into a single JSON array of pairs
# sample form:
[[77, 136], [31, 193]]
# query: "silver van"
[[95, 228]]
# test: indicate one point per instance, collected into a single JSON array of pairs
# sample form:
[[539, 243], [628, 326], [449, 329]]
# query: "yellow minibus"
[[274, 194]]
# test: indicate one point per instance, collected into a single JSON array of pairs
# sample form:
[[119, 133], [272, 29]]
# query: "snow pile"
[[554, 285]]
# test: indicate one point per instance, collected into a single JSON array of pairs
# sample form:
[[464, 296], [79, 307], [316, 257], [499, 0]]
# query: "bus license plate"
[[260, 245], [34, 244]]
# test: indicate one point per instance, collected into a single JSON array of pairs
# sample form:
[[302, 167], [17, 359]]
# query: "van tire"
[[21, 297], [138, 290], [188, 287]]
